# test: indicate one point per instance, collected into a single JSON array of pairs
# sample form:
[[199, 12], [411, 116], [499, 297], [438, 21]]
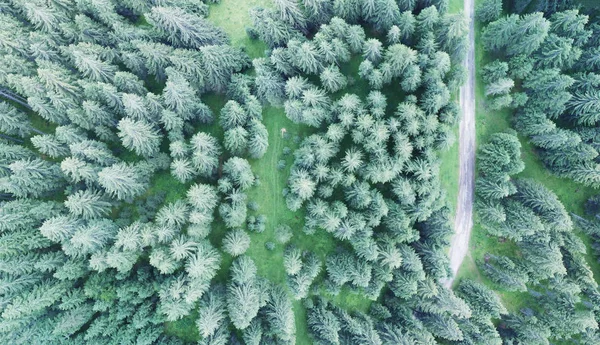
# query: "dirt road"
[[463, 222]]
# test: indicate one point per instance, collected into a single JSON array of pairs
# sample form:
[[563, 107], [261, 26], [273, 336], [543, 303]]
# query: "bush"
[[253, 205], [283, 233]]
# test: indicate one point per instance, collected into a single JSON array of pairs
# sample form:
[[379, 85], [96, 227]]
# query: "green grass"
[[571, 194], [185, 329], [456, 6], [272, 202], [165, 182], [233, 17], [449, 170], [38, 123], [450, 166]]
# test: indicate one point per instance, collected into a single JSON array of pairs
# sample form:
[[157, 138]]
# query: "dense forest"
[[545, 68], [131, 132], [540, 64]]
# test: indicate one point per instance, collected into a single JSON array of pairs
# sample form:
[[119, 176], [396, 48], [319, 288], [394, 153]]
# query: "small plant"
[[325, 191], [253, 205], [270, 246], [251, 223], [281, 165], [261, 222], [257, 224], [309, 230], [283, 233]]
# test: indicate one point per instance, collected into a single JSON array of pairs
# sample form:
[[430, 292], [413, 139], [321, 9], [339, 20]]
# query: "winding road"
[[463, 221]]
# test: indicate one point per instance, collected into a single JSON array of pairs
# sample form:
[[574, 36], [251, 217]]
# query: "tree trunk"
[[6, 196], [35, 130], [11, 138], [17, 99]]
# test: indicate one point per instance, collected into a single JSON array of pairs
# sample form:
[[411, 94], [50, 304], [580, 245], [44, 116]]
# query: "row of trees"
[[262, 311], [551, 264], [439, 314]]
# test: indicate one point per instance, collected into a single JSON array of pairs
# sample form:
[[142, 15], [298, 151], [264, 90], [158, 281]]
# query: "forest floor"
[[463, 221]]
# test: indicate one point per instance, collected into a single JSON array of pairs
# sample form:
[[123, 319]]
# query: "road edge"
[[463, 221]]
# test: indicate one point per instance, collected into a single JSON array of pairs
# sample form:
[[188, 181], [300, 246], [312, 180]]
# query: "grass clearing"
[[185, 329], [449, 170], [165, 182], [456, 6], [233, 16]]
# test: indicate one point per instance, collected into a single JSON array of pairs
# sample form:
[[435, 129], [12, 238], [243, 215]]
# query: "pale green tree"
[[88, 204], [122, 181], [236, 242], [139, 136]]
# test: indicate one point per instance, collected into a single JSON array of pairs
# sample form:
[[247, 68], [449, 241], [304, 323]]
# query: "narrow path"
[[463, 222]]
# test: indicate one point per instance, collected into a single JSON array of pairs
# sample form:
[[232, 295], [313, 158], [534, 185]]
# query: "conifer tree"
[[505, 272], [122, 181], [211, 312], [139, 137], [31, 178], [258, 141], [88, 204], [239, 172], [205, 152], [489, 10], [185, 29], [49, 145], [236, 242], [14, 122], [280, 315], [243, 296]]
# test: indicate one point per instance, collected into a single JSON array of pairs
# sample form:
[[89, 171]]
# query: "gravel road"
[[463, 221]]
